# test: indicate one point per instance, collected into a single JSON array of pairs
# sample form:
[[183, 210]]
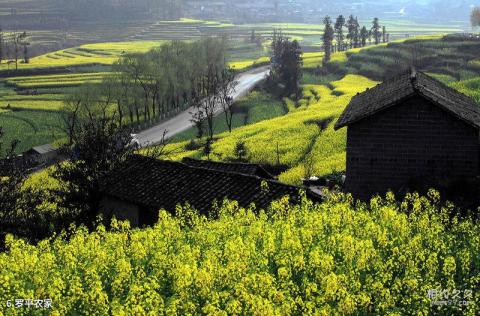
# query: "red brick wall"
[[414, 139]]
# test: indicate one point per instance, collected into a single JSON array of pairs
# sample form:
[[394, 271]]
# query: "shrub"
[[240, 150]]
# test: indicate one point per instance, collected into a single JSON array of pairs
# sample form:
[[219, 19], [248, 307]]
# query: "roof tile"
[[164, 184], [393, 91]]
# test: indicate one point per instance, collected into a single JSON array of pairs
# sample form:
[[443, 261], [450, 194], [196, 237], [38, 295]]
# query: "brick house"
[[408, 129], [138, 189]]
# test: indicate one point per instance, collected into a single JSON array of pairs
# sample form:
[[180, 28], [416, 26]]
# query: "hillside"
[[304, 139]]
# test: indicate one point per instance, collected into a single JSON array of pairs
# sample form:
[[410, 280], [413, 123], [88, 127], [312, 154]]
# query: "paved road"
[[181, 122]]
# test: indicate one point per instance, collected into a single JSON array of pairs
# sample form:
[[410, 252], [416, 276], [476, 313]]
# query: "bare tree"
[[70, 116], [226, 90], [18, 40], [198, 120], [209, 105], [25, 44]]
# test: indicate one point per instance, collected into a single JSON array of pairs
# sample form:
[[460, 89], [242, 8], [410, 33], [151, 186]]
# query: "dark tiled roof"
[[397, 89], [161, 184], [43, 149], [236, 167]]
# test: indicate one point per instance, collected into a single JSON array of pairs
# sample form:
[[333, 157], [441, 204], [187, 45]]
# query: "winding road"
[[181, 122]]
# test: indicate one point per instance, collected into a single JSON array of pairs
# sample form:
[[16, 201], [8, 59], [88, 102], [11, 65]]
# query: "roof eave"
[[445, 108], [358, 119]]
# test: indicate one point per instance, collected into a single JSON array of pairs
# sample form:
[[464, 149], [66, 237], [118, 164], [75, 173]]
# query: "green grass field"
[[31, 127]]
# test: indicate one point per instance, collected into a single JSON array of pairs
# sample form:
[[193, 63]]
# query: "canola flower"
[[337, 257]]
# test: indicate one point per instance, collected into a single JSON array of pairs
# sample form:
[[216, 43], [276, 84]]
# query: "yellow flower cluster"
[[337, 257]]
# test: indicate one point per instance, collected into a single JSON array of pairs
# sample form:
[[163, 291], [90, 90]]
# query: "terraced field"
[[307, 34], [43, 94], [306, 128], [89, 54]]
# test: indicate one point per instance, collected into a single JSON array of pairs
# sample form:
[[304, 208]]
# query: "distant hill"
[[44, 12], [57, 24]]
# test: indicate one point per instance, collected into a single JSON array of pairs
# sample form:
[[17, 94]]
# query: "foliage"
[[286, 64], [337, 257], [475, 17], [376, 33], [338, 27], [353, 31], [97, 147], [240, 150], [327, 38]]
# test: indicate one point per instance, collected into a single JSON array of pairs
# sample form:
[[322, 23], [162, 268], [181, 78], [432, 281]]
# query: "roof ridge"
[[216, 171], [399, 87], [223, 162]]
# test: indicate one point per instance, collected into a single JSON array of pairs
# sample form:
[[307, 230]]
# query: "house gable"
[[415, 140], [394, 91]]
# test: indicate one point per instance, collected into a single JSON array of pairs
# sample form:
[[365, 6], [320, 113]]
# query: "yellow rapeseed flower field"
[[337, 257]]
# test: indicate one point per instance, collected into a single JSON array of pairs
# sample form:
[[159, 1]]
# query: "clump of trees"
[[475, 17], [334, 36], [24, 210], [14, 47], [147, 87], [286, 66]]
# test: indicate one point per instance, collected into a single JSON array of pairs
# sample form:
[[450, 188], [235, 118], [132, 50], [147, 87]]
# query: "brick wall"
[[414, 139]]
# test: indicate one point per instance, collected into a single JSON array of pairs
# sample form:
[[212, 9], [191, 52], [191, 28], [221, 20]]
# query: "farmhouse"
[[408, 130], [142, 186], [43, 154]]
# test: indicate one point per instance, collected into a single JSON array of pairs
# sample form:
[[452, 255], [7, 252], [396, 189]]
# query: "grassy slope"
[[296, 133], [253, 108], [31, 128]]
